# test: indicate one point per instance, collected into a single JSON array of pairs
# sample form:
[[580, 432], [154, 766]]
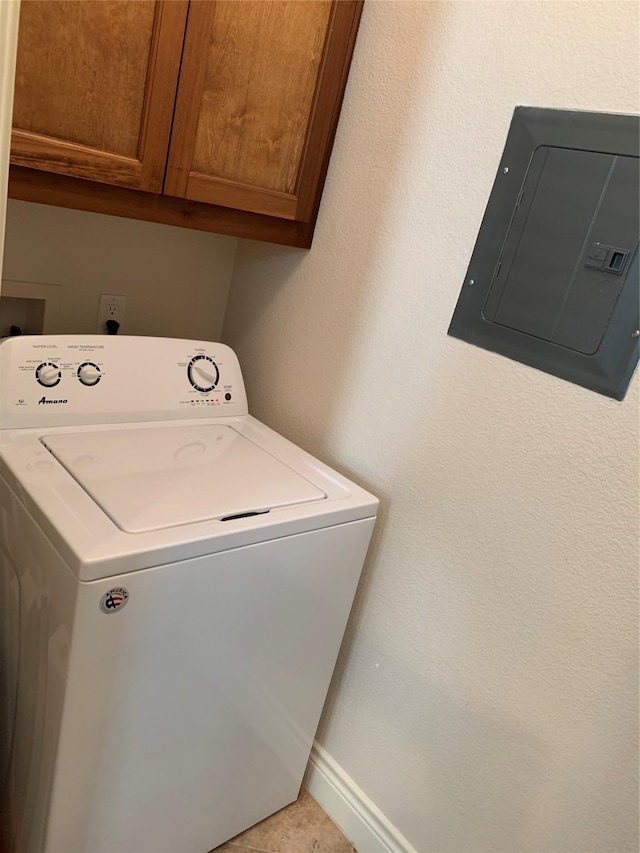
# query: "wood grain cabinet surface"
[[211, 114]]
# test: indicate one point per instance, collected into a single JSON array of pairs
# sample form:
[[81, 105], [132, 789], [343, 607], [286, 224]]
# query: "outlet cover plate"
[[110, 307]]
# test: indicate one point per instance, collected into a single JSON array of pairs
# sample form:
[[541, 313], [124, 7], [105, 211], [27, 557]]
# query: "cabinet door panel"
[[258, 90], [246, 113], [95, 86]]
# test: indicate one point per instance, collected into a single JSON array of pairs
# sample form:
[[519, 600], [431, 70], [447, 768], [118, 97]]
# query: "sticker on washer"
[[114, 600]]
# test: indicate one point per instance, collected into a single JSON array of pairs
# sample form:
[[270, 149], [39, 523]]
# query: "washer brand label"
[[113, 600], [44, 400]]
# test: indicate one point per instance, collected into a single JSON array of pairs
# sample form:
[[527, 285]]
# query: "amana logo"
[[44, 400]]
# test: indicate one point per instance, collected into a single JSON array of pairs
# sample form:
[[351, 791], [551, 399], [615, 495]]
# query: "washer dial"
[[203, 373], [48, 374], [89, 373]]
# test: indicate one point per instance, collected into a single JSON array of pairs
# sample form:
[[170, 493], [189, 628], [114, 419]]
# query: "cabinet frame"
[[98, 182]]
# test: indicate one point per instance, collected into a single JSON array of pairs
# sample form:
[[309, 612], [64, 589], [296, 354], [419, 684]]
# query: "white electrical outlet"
[[110, 308]]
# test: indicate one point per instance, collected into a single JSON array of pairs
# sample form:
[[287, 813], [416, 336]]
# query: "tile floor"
[[301, 827]]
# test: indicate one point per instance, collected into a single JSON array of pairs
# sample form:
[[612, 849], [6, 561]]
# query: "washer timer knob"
[[89, 373], [48, 374], [203, 373]]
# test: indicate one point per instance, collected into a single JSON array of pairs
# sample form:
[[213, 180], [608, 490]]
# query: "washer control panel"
[[77, 379]]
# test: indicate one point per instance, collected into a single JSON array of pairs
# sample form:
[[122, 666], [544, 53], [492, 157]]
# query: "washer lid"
[[150, 479]]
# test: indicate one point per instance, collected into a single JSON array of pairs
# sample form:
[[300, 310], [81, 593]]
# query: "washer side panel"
[[36, 646]]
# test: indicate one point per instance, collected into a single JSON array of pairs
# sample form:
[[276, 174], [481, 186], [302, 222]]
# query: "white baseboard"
[[349, 807]]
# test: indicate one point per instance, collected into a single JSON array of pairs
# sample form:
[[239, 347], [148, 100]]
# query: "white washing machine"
[[175, 582]]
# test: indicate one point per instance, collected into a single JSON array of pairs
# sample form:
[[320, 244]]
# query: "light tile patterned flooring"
[[301, 827]]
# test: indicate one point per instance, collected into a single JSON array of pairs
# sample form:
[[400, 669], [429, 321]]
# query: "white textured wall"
[[486, 699], [176, 280]]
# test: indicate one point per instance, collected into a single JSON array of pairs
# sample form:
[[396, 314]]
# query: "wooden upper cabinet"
[[212, 114], [259, 82], [95, 88]]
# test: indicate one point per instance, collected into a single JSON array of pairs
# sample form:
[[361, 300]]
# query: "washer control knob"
[[89, 373], [203, 373], [48, 374]]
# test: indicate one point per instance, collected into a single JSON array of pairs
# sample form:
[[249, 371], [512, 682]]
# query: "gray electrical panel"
[[553, 279]]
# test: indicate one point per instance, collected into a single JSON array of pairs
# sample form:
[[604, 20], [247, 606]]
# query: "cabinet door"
[[95, 88], [258, 99]]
